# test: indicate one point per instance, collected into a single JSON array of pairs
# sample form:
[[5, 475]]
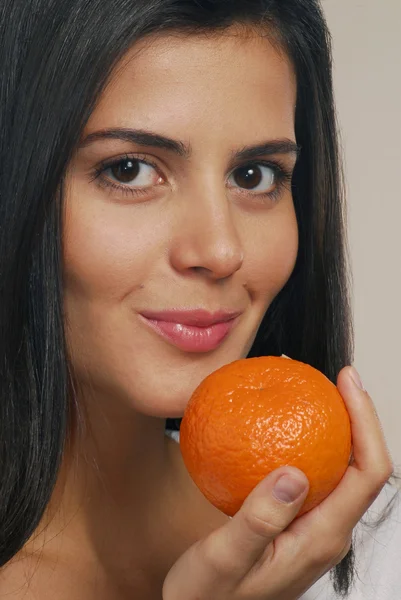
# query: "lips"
[[192, 330], [198, 318]]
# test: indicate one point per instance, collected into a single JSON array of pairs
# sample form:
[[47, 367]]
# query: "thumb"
[[267, 511]]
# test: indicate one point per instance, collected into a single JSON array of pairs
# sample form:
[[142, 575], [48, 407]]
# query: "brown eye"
[[125, 171], [133, 172], [254, 177]]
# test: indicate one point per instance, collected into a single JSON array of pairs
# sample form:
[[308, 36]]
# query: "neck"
[[114, 487]]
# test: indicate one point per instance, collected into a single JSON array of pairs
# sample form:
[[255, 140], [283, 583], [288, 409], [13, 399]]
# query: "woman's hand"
[[263, 553]]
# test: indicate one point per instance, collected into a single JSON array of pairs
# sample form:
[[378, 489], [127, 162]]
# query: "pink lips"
[[194, 330]]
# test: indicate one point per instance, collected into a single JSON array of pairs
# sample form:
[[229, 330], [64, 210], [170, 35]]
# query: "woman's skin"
[[201, 233]]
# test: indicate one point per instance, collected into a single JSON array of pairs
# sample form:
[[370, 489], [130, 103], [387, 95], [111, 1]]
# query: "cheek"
[[109, 255], [272, 255], [108, 251]]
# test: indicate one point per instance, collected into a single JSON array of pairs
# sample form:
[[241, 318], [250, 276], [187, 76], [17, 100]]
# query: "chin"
[[158, 381], [166, 402], [165, 392]]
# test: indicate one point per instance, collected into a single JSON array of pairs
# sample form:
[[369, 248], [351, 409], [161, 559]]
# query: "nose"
[[207, 239]]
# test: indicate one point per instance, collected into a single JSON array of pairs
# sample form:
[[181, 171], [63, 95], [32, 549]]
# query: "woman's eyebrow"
[[142, 137], [139, 137], [284, 146]]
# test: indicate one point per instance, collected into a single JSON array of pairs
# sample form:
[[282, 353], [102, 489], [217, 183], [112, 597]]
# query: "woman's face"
[[179, 224]]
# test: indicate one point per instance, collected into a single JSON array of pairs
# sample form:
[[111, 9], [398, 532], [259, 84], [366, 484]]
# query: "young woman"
[[170, 201]]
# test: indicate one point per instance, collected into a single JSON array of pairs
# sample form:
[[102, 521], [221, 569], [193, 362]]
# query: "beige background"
[[367, 54]]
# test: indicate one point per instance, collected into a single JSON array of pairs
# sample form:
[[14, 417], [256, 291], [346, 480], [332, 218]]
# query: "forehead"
[[178, 84]]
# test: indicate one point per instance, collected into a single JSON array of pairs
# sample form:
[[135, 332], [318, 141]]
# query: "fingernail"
[[288, 489], [356, 379]]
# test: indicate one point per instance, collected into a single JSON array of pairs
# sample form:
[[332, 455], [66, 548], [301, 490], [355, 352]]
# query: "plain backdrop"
[[367, 56]]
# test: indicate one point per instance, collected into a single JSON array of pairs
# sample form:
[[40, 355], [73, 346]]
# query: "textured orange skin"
[[255, 415]]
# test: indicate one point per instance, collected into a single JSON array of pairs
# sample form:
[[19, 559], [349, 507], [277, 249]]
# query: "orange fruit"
[[257, 414]]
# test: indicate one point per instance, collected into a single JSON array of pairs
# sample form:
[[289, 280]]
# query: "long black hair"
[[56, 57]]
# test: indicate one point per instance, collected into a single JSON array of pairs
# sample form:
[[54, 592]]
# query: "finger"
[[369, 445], [234, 549], [371, 466]]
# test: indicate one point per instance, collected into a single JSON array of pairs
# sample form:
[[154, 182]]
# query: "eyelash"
[[282, 174], [282, 177], [107, 183]]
